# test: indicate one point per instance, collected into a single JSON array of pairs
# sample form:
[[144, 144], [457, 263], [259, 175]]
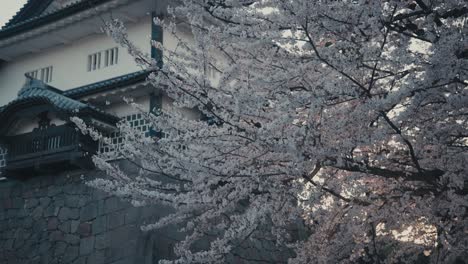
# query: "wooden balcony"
[[46, 150]]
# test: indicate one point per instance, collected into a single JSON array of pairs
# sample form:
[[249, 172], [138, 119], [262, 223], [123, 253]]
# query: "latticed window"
[[3, 154], [135, 121]]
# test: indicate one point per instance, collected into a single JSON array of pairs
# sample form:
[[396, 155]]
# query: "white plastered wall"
[[70, 65], [70, 62]]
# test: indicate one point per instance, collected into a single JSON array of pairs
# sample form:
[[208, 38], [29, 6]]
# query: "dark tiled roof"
[[36, 91], [68, 101], [32, 8], [107, 85], [26, 20]]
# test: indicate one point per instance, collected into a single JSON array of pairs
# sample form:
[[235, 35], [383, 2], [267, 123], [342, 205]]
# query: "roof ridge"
[[107, 84], [36, 91], [41, 5], [39, 20], [32, 83]]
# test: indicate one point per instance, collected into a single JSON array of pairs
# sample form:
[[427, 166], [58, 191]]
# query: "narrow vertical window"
[[32, 74], [43, 76], [99, 60], [94, 61], [50, 73], [106, 59], [90, 63], [103, 59], [116, 55], [112, 57]]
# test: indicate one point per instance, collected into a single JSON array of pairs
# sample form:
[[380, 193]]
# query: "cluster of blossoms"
[[339, 125]]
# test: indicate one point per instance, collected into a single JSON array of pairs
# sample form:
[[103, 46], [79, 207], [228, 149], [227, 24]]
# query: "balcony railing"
[[50, 146]]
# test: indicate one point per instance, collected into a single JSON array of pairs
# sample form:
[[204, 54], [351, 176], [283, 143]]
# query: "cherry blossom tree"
[[345, 119]]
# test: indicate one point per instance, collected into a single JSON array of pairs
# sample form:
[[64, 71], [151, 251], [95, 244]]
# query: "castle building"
[[55, 63]]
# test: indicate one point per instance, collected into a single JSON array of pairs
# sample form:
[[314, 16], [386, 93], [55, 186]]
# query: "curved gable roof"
[[36, 92]]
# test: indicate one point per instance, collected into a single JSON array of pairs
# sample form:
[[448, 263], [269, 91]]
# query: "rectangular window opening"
[[43, 74], [103, 59]]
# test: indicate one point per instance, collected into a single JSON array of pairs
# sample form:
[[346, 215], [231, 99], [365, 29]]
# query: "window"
[[136, 121], [94, 61], [32, 74], [44, 74], [112, 57], [104, 58]]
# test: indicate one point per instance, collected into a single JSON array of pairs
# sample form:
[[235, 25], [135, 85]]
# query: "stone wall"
[[59, 219], [51, 219]]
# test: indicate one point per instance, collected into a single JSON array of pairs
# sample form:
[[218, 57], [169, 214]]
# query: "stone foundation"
[[51, 219], [59, 219]]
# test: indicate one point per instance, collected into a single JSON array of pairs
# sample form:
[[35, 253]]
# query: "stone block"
[[102, 241], [71, 254], [44, 201], [99, 225], [40, 192], [40, 225], [51, 210], [74, 188], [122, 261], [123, 233], [53, 190], [74, 201], [52, 224], [74, 224], [12, 213], [112, 204], [72, 239], [98, 195], [60, 248], [68, 214], [97, 257], [84, 229], [89, 212], [56, 236], [64, 227], [31, 203], [59, 200], [115, 219], [132, 215], [101, 207], [86, 246], [80, 260], [114, 254], [28, 222], [45, 259], [17, 203]]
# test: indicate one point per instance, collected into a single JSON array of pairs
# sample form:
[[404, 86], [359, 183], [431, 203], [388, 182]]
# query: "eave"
[[67, 25], [32, 8], [42, 20], [107, 85]]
